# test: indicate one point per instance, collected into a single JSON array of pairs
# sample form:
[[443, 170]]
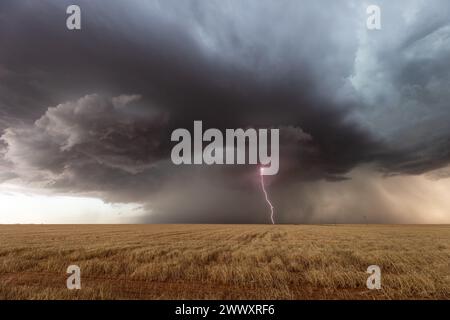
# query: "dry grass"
[[224, 261]]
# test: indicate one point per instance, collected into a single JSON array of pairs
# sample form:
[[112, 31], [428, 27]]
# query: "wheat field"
[[224, 261]]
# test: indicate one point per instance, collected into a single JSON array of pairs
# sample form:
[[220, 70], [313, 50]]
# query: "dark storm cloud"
[[93, 144], [401, 78], [166, 64], [342, 96]]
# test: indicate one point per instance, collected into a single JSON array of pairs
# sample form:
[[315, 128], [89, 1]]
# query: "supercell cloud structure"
[[363, 115]]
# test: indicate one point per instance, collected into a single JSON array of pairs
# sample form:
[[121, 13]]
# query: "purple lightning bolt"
[[261, 171]]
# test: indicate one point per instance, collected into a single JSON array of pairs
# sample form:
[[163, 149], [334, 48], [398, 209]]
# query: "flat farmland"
[[224, 261]]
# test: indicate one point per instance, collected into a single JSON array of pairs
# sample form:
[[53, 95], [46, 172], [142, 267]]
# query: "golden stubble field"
[[224, 261]]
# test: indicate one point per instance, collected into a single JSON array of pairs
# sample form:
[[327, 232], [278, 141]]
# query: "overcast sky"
[[86, 115]]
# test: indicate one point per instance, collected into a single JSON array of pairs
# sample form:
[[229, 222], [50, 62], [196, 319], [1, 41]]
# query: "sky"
[[86, 115]]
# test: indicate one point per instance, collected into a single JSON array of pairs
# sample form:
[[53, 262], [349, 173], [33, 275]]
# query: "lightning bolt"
[[261, 173]]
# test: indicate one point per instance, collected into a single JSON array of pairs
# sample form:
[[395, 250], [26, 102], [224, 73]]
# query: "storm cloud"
[[91, 111]]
